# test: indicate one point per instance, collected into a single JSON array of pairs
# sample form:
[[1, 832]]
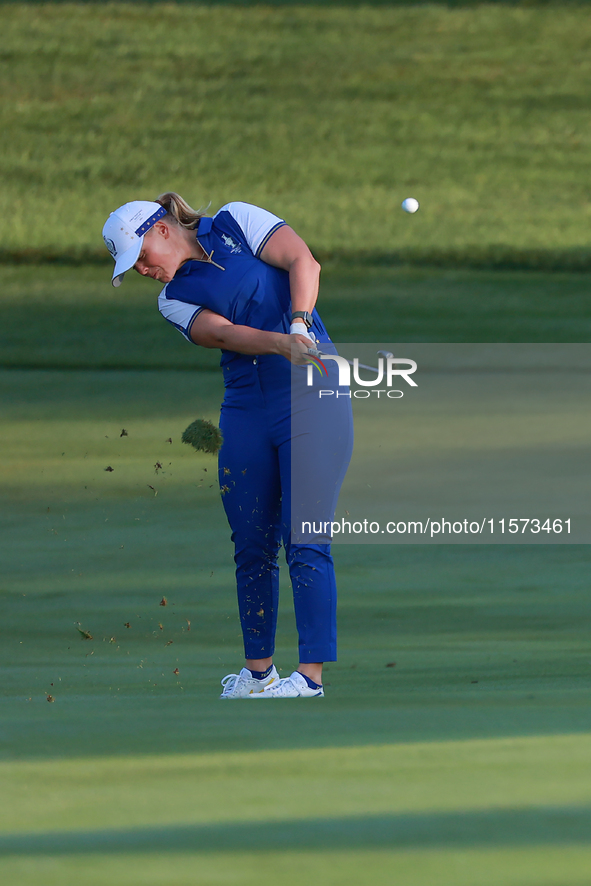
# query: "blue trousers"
[[255, 475]]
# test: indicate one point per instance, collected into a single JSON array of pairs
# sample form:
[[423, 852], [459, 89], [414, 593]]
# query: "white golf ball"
[[410, 204]]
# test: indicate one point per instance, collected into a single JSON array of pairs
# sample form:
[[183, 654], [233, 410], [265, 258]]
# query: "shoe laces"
[[229, 683], [282, 687]]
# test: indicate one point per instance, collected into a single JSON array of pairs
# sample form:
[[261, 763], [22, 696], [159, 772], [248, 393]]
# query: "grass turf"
[[328, 116], [469, 807], [71, 317], [467, 761]]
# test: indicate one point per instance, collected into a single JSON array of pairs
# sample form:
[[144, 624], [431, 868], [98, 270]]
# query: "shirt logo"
[[235, 247]]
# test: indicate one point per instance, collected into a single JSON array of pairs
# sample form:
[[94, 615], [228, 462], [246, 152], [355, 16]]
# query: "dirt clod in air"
[[203, 436]]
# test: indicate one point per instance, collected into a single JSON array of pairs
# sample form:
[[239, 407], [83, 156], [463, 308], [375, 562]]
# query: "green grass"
[[71, 317], [328, 116], [465, 763], [407, 808]]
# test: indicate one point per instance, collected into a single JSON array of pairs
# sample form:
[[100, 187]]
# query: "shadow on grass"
[[508, 827], [492, 256], [451, 4]]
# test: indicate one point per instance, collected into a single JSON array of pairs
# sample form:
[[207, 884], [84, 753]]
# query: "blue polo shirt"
[[236, 283]]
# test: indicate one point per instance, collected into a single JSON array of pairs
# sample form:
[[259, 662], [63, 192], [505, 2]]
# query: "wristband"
[[304, 316]]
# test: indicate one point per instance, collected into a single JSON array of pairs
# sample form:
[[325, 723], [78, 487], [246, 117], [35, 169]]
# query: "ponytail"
[[179, 210]]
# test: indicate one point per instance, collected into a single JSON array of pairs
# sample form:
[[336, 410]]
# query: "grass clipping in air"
[[203, 436]]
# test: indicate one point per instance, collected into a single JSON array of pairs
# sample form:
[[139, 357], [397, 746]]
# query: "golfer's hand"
[[295, 348]]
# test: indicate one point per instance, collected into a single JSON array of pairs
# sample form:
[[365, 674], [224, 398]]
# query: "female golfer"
[[245, 282]]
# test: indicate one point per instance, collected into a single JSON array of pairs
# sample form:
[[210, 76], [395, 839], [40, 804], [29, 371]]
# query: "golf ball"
[[410, 204]]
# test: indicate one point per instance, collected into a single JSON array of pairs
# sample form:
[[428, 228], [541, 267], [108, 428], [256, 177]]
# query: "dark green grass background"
[[328, 115], [453, 743]]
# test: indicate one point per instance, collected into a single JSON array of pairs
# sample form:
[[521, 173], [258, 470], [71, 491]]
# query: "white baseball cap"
[[124, 231]]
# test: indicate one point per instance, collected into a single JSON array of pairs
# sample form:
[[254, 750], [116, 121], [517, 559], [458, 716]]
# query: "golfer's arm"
[[286, 250], [211, 330]]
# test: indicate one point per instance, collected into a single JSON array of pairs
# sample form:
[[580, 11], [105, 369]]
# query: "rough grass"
[[327, 115]]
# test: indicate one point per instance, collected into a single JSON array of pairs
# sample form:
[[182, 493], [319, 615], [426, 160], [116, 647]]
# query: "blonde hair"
[[179, 210]]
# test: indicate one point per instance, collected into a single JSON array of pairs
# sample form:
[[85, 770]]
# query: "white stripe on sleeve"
[[257, 224], [179, 313]]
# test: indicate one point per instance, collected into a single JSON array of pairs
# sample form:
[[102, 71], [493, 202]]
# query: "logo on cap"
[[110, 246]]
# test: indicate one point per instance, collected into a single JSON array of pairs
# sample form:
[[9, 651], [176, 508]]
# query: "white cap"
[[124, 231]]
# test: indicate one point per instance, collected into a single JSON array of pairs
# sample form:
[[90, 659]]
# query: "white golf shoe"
[[244, 685], [293, 686]]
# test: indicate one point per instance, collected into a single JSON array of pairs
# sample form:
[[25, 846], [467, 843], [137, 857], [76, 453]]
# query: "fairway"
[[468, 759], [420, 813]]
